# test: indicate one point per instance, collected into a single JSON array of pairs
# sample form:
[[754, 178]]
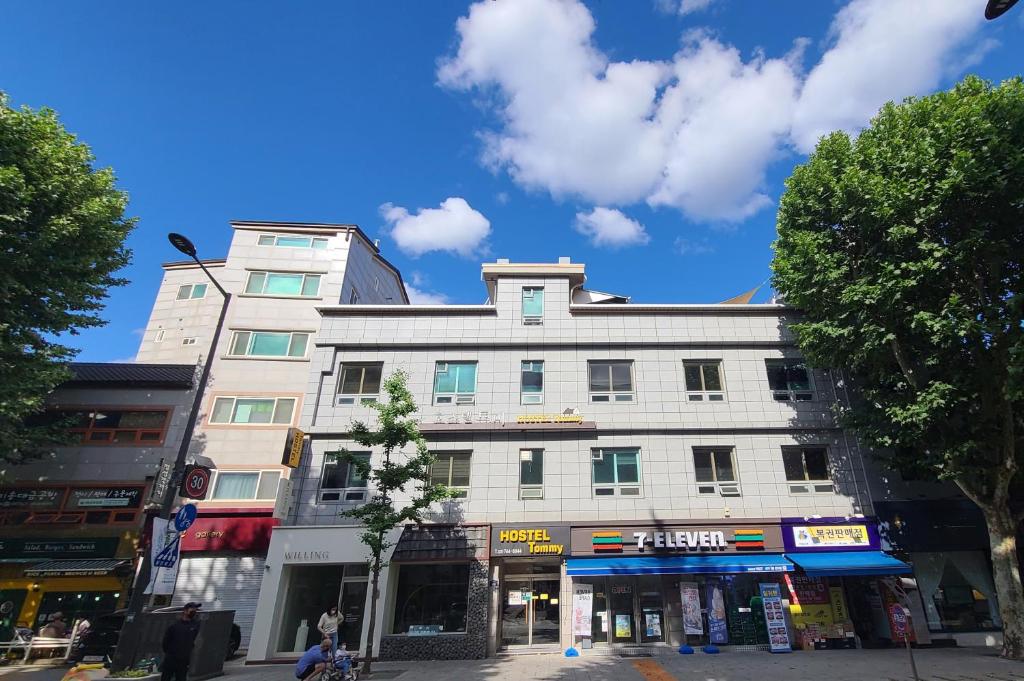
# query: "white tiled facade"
[[660, 422]]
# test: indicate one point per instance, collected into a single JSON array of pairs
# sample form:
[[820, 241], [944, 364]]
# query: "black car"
[[99, 642]]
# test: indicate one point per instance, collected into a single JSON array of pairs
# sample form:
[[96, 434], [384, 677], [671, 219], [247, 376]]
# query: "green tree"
[[400, 475], [903, 249], [62, 233]]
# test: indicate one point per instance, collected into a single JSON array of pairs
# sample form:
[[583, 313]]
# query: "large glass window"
[[253, 410], [533, 304], [191, 291], [455, 383], [119, 427], [432, 595], [341, 480], [316, 242], [615, 472], [451, 469], [789, 380], [245, 484], [269, 344], [808, 465], [531, 473], [611, 381], [532, 382], [283, 284], [712, 467], [359, 383], [703, 380], [957, 590]]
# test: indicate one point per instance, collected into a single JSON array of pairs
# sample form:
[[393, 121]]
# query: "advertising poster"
[[692, 622], [623, 626], [165, 549], [778, 635], [652, 624], [899, 626], [582, 609], [718, 627]]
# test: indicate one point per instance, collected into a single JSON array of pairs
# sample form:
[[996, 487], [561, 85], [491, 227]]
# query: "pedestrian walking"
[[179, 640], [328, 626]]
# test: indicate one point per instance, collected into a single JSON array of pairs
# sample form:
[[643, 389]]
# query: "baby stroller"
[[344, 666]]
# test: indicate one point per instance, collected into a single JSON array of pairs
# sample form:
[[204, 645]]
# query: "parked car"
[[100, 641]]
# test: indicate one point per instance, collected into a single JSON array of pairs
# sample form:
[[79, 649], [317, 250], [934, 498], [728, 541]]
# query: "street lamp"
[[124, 656], [997, 8]]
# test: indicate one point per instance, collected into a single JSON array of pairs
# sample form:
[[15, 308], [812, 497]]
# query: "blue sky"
[[649, 140]]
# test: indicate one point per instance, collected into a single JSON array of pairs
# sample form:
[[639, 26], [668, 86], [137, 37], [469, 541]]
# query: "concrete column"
[[496, 609]]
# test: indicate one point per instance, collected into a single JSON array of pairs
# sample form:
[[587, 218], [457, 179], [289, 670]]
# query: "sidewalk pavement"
[[948, 664]]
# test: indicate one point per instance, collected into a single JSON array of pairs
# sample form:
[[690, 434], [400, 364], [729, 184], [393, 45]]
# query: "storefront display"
[[775, 620]]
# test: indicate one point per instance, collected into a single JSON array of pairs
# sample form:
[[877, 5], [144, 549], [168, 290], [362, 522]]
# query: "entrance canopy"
[[849, 563], [678, 565], [99, 567]]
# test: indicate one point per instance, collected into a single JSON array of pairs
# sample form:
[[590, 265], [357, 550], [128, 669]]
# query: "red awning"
[[229, 533]]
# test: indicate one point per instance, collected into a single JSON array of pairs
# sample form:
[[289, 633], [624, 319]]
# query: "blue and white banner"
[[718, 627], [778, 635]]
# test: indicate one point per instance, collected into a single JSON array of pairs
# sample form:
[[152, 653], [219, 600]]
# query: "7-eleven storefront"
[[678, 582]]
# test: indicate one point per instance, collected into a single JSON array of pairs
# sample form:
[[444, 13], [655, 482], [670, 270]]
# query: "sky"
[[648, 139]]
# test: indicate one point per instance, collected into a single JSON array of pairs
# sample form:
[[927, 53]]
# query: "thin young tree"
[[402, 492], [903, 249]]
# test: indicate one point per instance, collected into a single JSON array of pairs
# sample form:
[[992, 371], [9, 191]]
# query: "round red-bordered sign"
[[196, 482]]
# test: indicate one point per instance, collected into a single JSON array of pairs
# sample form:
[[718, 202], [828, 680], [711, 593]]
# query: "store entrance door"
[[530, 611]]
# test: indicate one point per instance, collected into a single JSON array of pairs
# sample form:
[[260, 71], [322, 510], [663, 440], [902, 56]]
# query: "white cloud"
[[454, 227], [689, 247], [695, 131], [882, 50], [682, 7], [420, 297], [609, 228]]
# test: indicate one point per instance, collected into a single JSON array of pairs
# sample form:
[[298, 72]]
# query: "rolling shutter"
[[222, 583]]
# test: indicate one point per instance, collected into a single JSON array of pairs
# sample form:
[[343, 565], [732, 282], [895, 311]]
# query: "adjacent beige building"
[[278, 274]]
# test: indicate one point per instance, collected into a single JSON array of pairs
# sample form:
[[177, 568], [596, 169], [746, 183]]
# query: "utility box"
[[211, 643]]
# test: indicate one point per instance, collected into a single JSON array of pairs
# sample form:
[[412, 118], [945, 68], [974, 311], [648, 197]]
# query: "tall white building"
[[656, 457], [278, 274]]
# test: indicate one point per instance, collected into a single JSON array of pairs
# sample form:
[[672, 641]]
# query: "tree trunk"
[[374, 597], [1002, 536]]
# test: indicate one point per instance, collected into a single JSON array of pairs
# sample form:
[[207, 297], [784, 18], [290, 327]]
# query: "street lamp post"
[[124, 658]]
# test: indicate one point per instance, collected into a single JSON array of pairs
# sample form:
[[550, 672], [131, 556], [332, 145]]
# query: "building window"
[[191, 291], [808, 468], [615, 472], [789, 380], [120, 427], [360, 383], [376, 283], [342, 481], [957, 590], [353, 297], [715, 471], [269, 344], [189, 340], [455, 383], [611, 381], [432, 595], [159, 338], [283, 284], [533, 305], [451, 469], [531, 473], [531, 382], [703, 381], [317, 242], [245, 485], [253, 410]]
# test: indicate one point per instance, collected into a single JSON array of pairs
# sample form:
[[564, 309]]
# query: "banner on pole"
[[778, 635], [692, 622], [582, 609], [164, 554]]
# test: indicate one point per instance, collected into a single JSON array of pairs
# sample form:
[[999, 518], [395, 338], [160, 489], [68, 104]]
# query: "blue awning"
[[849, 563], [678, 565]]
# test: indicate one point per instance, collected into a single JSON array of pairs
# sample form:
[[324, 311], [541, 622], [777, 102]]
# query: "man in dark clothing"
[[179, 639]]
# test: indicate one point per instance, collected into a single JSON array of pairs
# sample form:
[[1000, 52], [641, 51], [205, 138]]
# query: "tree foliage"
[[904, 251], [62, 233], [400, 484]]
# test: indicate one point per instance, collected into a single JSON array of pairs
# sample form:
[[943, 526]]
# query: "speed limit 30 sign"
[[195, 483]]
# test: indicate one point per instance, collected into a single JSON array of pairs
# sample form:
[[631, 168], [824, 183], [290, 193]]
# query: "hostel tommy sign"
[[529, 540]]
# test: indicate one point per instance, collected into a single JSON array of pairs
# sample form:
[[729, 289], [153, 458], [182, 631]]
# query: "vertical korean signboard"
[[778, 635]]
